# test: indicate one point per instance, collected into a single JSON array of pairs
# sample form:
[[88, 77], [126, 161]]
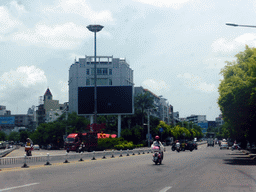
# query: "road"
[[205, 169]]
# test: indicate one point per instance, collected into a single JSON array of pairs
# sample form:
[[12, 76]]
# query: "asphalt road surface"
[[205, 169]]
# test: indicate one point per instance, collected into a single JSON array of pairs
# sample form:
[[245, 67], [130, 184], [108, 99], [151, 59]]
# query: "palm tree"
[[143, 101]]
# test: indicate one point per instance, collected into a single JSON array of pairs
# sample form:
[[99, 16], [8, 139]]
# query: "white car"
[[36, 147], [224, 145]]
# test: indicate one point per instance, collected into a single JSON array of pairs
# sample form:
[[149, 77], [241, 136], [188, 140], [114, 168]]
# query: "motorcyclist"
[[29, 143], [158, 143], [177, 143]]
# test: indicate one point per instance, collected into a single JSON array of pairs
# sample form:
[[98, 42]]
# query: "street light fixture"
[[95, 29], [236, 25], [149, 125]]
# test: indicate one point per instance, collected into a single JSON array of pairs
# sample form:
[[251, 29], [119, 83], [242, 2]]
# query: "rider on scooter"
[[158, 143]]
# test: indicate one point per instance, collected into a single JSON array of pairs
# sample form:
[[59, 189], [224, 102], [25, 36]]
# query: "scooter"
[[157, 156], [28, 150], [236, 146], [173, 147]]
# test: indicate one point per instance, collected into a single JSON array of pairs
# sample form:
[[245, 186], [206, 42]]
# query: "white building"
[[110, 72], [53, 115], [219, 120], [197, 118]]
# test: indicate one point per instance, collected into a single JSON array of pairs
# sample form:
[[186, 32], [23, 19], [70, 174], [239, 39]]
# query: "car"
[[224, 145], [36, 147]]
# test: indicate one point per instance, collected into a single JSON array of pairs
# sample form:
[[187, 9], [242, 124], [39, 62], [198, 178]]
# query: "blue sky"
[[176, 48]]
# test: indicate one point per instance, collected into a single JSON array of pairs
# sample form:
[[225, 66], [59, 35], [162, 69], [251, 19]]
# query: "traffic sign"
[[161, 129]]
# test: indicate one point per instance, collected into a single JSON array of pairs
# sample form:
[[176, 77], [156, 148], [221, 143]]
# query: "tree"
[[143, 101], [3, 136], [24, 135], [237, 98], [14, 136]]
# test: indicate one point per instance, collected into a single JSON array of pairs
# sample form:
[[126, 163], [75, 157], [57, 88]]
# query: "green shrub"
[[108, 143]]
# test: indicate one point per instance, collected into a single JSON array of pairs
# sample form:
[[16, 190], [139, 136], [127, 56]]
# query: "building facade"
[[110, 72], [162, 105], [197, 118], [219, 120], [49, 109]]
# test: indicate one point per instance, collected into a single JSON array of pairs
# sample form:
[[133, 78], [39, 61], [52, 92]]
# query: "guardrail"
[[70, 156], [6, 151]]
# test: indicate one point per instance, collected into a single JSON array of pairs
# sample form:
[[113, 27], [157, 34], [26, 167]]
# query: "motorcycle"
[[173, 147], [178, 147], [28, 150], [157, 156], [236, 147]]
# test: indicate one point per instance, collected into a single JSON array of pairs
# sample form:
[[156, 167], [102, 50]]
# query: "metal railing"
[[70, 156]]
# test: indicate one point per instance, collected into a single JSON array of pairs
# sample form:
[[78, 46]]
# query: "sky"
[[176, 48]]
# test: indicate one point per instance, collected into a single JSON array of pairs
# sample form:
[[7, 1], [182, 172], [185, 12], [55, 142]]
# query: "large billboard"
[[111, 100], [7, 120]]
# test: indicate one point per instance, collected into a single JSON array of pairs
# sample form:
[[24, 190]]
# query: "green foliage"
[[24, 135], [135, 134], [3, 136], [237, 98], [142, 102], [125, 145], [14, 136], [52, 133], [115, 143]]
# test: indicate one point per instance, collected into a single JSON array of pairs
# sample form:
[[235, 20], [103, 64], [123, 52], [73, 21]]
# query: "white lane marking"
[[6, 189], [165, 189]]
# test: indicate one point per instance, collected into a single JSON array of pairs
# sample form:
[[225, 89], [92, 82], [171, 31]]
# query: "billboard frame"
[[132, 113]]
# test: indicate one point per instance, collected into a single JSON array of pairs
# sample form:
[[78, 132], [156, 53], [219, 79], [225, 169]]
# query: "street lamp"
[[95, 29], [236, 25], [149, 125]]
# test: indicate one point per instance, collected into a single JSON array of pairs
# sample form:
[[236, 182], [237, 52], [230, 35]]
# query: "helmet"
[[28, 139], [157, 137]]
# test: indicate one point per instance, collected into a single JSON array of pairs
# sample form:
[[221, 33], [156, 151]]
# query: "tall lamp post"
[[95, 29], [236, 25], [149, 125]]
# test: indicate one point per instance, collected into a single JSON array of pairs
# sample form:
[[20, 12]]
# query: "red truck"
[[74, 141]]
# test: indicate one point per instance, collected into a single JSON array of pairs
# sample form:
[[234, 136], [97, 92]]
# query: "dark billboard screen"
[[110, 100]]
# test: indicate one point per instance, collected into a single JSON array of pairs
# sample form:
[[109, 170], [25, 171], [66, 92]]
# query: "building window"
[[110, 71], [100, 71], [87, 81], [88, 71], [110, 81], [100, 81], [105, 71]]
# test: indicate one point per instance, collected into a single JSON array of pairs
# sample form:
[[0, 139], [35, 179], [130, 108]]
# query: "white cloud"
[[155, 85], [196, 83], [225, 45], [176, 4], [7, 21], [17, 8], [65, 36], [79, 7], [22, 85]]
